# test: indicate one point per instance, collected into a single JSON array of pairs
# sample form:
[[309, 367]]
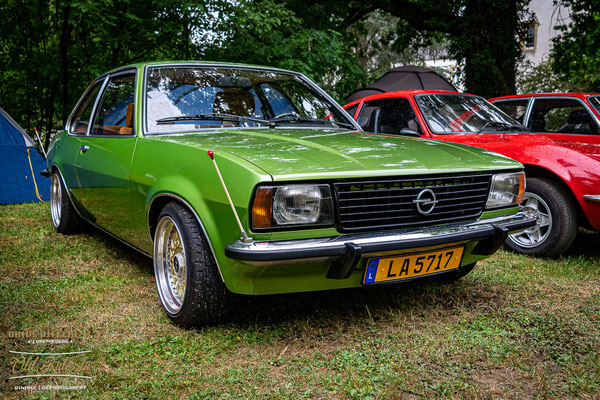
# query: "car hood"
[[289, 154]]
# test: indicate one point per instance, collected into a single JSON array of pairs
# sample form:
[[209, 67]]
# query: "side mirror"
[[406, 131], [363, 122]]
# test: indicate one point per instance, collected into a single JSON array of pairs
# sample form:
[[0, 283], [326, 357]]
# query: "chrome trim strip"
[[92, 223], [592, 197], [373, 243], [197, 219]]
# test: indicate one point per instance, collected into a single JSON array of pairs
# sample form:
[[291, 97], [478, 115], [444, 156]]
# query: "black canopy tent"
[[404, 78]]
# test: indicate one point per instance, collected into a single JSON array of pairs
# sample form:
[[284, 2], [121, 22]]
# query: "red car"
[[563, 176]]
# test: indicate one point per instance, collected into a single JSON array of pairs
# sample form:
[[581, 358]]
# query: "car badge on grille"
[[425, 201]]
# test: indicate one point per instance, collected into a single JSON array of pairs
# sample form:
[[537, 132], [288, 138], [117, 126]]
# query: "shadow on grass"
[[362, 305], [585, 244]]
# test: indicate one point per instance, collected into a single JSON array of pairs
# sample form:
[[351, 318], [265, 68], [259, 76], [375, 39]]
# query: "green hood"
[[289, 154]]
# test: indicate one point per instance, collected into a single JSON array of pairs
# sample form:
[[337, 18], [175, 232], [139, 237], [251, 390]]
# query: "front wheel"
[[187, 278], [556, 225]]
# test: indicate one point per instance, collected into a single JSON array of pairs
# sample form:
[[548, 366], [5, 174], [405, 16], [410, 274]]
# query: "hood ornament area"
[[425, 201]]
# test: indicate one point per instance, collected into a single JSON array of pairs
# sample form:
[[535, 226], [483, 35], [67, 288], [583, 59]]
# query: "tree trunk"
[[490, 47]]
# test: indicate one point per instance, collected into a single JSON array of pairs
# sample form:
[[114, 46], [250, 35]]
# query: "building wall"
[[547, 17]]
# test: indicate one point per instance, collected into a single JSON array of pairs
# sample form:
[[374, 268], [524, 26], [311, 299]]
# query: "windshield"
[[454, 113], [195, 98], [595, 102]]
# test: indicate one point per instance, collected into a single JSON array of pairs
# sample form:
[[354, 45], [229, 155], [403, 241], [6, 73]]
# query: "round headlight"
[[292, 205]]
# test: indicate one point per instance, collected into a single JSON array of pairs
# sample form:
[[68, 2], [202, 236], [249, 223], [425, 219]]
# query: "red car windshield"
[[456, 113]]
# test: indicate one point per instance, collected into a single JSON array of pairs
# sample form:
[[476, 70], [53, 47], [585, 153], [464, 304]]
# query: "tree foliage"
[[576, 52]]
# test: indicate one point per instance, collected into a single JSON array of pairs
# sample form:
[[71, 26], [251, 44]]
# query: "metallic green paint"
[[116, 181]]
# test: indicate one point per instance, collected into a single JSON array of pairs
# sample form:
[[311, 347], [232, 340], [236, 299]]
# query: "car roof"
[[580, 95], [404, 93]]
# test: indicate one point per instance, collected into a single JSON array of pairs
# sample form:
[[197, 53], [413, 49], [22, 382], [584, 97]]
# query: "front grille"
[[387, 204]]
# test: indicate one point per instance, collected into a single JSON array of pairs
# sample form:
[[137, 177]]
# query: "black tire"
[[453, 276], [557, 233], [65, 218], [205, 299]]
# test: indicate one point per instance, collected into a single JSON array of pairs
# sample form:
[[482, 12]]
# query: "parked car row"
[[247, 180]]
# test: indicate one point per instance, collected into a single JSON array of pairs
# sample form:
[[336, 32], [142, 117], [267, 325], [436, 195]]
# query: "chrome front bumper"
[[349, 249]]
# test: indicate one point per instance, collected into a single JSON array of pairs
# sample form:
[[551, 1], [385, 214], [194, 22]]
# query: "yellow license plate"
[[412, 265]]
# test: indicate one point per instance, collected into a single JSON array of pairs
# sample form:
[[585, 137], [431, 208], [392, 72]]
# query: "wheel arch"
[[541, 172]]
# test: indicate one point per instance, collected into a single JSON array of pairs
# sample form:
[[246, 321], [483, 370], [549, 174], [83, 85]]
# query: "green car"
[[249, 180]]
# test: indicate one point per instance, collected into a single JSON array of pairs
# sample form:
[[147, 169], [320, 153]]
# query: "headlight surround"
[[292, 205], [507, 189]]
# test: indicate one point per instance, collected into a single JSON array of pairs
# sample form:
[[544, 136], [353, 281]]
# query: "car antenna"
[[244, 238]]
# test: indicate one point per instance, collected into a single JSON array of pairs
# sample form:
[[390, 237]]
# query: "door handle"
[[84, 148]]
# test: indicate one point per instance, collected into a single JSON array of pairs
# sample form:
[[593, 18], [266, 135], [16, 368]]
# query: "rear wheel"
[[64, 216], [556, 225], [187, 278]]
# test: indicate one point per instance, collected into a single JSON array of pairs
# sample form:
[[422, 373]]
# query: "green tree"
[[484, 35], [576, 51]]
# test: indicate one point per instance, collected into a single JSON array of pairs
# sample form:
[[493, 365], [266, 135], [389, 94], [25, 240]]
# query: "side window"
[[561, 116], [514, 108], [81, 119], [114, 115], [389, 116]]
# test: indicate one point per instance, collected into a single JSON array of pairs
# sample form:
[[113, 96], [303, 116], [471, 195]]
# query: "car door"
[[104, 158], [567, 120]]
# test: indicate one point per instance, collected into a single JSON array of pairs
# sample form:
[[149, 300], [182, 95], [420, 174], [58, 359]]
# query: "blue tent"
[[20, 165]]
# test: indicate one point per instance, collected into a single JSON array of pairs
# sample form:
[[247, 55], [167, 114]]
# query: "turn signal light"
[[522, 187], [262, 208]]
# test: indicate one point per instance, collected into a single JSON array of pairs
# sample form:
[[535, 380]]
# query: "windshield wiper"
[[293, 120], [213, 117], [503, 126]]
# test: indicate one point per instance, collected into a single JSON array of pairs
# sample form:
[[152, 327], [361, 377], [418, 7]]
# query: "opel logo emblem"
[[425, 201]]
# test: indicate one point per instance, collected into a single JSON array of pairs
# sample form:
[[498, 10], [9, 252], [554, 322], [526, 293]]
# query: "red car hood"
[[505, 143]]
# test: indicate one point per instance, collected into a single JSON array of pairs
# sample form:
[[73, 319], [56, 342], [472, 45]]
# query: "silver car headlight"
[[507, 189], [292, 205]]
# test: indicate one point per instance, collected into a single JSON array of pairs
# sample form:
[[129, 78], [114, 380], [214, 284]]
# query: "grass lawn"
[[515, 328]]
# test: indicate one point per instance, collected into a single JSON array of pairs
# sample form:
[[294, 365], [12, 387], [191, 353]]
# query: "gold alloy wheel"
[[170, 266]]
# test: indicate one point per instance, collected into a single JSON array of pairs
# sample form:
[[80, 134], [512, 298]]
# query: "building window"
[[530, 36]]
